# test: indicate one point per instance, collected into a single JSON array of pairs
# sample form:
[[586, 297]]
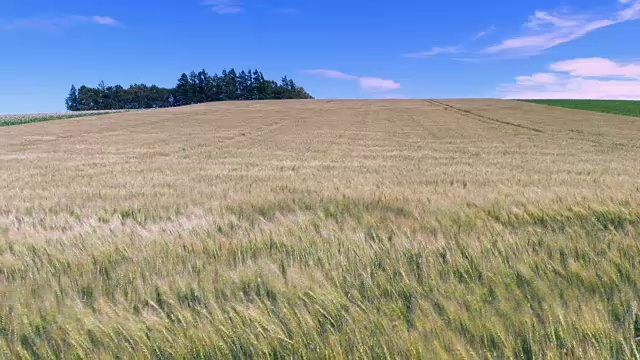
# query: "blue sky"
[[335, 49]]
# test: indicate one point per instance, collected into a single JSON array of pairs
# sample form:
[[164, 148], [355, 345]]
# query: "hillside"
[[399, 228]]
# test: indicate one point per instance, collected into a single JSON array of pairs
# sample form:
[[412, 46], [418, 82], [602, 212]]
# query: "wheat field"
[[322, 229]]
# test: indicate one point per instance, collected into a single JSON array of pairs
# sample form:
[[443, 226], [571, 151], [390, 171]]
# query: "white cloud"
[[332, 74], [590, 78], [224, 6], [434, 51], [467, 60], [597, 67], [105, 20], [57, 22], [376, 84], [630, 13], [371, 84], [545, 30], [542, 18], [537, 79]]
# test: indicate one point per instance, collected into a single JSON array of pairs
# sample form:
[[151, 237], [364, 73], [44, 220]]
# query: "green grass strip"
[[616, 107], [27, 119]]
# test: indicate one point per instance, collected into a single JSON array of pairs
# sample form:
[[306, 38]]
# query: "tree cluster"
[[194, 88]]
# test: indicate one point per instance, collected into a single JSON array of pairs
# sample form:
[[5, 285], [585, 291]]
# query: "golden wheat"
[[322, 229]]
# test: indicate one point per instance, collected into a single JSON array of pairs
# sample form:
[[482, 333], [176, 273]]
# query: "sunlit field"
[[322, 229]]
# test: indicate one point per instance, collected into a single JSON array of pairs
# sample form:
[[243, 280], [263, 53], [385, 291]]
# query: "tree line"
[[194, 88]]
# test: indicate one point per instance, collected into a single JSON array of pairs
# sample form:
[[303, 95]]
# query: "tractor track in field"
[[480, 117], [489, 119]]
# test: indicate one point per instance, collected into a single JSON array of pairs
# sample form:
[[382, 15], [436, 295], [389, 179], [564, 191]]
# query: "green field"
[[617, 107], [9, 120]]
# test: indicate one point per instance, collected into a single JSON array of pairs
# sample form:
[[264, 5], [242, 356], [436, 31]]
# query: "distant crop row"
[[8, 120], [617, 107]]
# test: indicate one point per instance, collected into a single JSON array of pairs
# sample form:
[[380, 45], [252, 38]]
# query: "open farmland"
[[322, 229]]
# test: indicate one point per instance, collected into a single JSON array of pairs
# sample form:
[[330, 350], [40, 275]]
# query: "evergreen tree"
[[216, 85], [182, 91], [193, 87], [72, 99], [207, 85], [202, 86], [243, 86], [222, 85], [262, 87], [231, 85], [88, 98], [117, 97], [251, 90]]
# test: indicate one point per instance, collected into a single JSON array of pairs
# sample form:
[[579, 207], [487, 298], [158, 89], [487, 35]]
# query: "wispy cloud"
[[224, 6], [331, 74], [545, 30], [57, 22], [588, 78], [371, 84], [469, 60], [441, 50], [105, 20], [434, 51], [484, 33]]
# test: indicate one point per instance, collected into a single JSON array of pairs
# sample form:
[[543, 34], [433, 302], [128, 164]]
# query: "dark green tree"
[[261, 86], [181, 91], [251, 88], [231, 85], [72, 100], [117, 97], [88, 98], [243, 86], [202, 87], [193, 87]]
